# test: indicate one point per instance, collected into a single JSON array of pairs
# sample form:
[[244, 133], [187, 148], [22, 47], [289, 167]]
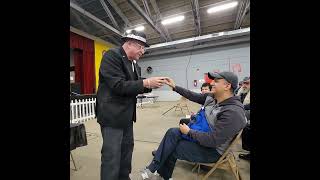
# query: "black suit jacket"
[[118, 88]]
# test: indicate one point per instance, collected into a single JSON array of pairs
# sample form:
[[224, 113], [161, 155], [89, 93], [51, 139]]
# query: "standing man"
[[119, 84]]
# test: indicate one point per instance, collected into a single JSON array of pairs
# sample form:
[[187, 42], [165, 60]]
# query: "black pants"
[[116, 153], [246, 138]]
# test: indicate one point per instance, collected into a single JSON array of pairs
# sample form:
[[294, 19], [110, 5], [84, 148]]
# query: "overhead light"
[[172, 20], [222, 7], [139, 28]]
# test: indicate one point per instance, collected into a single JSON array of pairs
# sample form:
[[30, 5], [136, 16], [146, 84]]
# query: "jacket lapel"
[[137, 70], [127, 63]]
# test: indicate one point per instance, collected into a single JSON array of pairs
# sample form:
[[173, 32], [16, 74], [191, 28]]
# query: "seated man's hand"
[[184, 121], [184, 128], [170, 82]]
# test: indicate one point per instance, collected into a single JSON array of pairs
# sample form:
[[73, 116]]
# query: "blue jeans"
[[173, 147], [116, 153]]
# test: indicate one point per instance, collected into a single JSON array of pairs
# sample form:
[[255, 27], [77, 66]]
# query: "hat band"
[[136, 37]]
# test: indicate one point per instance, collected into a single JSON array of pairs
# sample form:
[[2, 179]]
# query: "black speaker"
[[75, 88]]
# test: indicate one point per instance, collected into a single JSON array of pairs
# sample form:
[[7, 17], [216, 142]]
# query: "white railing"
[[82, 110]]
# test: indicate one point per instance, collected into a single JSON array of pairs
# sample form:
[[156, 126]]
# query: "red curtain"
[[84, 62], [88, 73], [77, 57]]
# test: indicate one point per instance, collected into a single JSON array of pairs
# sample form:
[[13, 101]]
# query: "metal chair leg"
[[168, 110], [74, 164]]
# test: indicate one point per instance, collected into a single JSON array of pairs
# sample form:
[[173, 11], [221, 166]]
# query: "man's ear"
[[228, 86]]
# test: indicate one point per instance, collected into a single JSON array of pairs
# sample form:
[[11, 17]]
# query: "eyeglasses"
[[246, 83], [140, 47]]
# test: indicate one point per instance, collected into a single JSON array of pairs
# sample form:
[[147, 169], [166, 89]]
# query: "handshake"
[[156, 82]]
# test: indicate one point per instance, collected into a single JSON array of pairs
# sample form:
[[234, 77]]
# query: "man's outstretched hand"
[[170, 82]]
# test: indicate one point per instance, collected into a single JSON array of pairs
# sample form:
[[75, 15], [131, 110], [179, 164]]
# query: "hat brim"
[[213, 76], [124, 39]]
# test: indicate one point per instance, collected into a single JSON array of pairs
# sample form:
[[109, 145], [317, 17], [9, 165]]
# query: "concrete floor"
[[148, 132]]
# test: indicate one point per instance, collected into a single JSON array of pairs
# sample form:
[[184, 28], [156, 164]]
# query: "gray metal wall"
[[186, 67]]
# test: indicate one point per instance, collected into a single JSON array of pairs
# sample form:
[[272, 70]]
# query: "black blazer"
[[118, 88]]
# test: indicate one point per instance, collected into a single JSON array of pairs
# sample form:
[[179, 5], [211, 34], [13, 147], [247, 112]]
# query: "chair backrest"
[[233, 142], [183, 98], [183, 101]]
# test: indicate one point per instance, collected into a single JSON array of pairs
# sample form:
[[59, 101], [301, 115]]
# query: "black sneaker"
[[245, 156]]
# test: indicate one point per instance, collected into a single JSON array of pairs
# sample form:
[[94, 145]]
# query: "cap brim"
[[213, 76], [125, 38]]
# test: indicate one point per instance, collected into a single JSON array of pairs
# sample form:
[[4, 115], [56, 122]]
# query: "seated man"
[[246, 142], [205, 88], [244, 91], [239, 87], [244, 94], [225, 116]]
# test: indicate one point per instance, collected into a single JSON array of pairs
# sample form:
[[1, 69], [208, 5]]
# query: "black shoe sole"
[[153, 153], [244, 156]]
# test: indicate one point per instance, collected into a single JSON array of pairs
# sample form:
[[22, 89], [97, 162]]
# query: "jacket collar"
[[123, 54], [128, 64]]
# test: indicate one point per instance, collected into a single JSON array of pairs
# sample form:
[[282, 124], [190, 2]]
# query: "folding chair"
[[181, 105], [226, 161], [74, 164]]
